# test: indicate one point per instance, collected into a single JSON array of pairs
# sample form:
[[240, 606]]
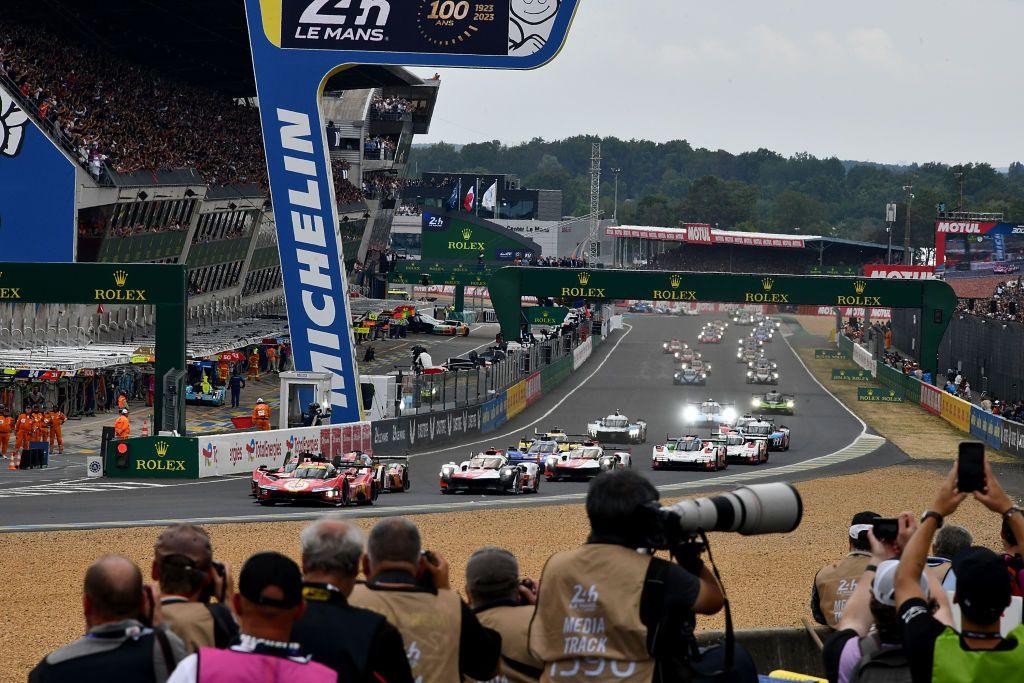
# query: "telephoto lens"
[[749, 510]]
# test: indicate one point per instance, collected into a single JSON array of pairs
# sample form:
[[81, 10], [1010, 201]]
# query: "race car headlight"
[[729, 414], [506, 472], [264, 488], [756, 403], [323, 489], [750, 373], [690, 413], [703, 375], [676, 376], [775, 375], [790, 404], [552, 461], [447, 471], [664, 345]]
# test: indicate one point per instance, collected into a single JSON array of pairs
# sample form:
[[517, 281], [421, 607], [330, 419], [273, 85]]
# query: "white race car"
[[762, 371], [744, 449], [776, 438], [689, 451], [687, 355], [672, 345], [585, 462], [616, 428], [709, 412], [490, 472]]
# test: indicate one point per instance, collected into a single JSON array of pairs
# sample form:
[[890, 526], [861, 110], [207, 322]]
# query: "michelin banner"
[[245, 451], [37, 191]]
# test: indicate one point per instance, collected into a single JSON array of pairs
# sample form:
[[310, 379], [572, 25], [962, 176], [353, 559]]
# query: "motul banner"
[[901, 272], [961, 229], [846, 311]]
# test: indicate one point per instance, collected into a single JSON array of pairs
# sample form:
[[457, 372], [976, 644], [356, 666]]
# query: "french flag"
[[469, 200]]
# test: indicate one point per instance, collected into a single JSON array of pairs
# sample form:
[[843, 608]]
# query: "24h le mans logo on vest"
[[466, 244], [584, 290], [120, 293], [767, 296], [674, 294], [859, 300]]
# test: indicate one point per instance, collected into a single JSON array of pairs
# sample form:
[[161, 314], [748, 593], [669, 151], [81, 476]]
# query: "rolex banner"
[[849, 375], [153, 457], [872, 395]]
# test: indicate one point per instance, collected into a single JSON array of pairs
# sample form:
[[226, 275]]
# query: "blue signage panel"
[[296, 46], [433, 222], [37, 191], [986, 427]]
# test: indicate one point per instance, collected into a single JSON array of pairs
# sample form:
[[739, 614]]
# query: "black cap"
[[982, 584], [263, 570]]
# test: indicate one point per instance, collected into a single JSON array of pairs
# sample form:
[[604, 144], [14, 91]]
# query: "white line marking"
[[553, 408]]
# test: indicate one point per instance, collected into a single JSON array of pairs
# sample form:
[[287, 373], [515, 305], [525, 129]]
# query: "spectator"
[[949, 542], [357, 643], [834, 584], [183, 565], [118, 645], [443, 638], [978, 652], [1012, 557], [647, 606], [268, 603], [504, 603]]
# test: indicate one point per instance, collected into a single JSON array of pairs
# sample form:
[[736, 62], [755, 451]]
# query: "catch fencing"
[[994, 430]]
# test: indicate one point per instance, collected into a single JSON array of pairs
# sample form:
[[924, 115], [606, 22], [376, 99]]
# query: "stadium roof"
[[203, 42], [702, 233]]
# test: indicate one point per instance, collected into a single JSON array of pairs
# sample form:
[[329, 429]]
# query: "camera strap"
[[730, 636]]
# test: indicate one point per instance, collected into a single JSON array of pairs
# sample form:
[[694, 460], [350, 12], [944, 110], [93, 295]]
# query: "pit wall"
[[968, 418]]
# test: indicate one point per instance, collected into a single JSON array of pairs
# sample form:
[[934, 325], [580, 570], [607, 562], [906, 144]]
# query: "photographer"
[[834, 584], [605, 607], [504, 603], [978, 652], [189, 578], [444, 641]]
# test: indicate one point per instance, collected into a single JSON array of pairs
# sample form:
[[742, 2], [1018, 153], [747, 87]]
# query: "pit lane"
[[629, 372]]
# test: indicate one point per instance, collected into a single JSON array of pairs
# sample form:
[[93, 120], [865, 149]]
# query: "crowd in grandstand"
[[556, 262], [383, 186], [740, 259], [143, 229], [380, 147], [1006, 303], [390, 107]]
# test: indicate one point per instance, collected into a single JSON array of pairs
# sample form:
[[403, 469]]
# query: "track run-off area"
[[629, 372]]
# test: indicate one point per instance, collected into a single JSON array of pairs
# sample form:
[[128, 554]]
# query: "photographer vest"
[[835, 584], [518, 665], [587, 625], [430, 626]]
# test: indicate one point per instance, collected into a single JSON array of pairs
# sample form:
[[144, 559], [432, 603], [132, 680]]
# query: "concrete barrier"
[[791, 649]]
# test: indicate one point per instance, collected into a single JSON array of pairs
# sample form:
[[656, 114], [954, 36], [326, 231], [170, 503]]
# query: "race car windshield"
[[758, 430], [311, 473], [488, 463], [587, 453], [709, 407], [688, 445], [734, 440], [616, 422], [544, 447]]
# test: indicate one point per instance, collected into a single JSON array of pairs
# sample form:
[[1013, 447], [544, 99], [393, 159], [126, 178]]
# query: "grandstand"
[[157, 108], [699, 247]]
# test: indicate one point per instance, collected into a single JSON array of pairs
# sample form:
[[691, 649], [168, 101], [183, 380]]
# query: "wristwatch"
[[1013, 509], [934, 515]]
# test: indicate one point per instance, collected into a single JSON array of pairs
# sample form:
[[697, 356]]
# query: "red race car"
[[387, 474], [313, 481], [283, 472]]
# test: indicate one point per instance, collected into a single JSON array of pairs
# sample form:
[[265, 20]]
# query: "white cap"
[[884, 585]]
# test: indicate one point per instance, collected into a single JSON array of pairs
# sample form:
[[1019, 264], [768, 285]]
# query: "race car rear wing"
[[391, 458]]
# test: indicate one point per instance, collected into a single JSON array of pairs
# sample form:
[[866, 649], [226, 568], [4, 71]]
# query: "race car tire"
[[344, 501], [406, 484], [267, 503], [536, 485]]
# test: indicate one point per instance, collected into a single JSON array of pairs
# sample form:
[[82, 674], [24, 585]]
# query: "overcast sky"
[[897, 82]]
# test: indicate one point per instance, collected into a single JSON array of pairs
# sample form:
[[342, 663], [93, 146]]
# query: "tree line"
[[667, 183]]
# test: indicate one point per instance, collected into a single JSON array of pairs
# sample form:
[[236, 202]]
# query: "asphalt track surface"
[[628, 372]]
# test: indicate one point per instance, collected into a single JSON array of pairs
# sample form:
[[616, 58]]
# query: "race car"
[[748, 354], [686, 355], [688, 310], [773, 402], [314, 481], [490, 472], [616, 428], [195, 396], [291, 462], [585, 462], [689, 451], [556, 435], [390, 473], [688, 374], [1005, 268], [743, 449], [641, 307], [719, 325], [763, 334], [777, 437], [424, 323], [672, 346], [709, 412], [536, 452], [763, 371], [744, 318], [709, 335]]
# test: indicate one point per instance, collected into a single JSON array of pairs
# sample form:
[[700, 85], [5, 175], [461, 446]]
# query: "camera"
[[749, 510]]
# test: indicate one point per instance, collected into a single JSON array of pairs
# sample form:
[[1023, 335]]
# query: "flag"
[[470, 199], [453, 201], [490, 198]]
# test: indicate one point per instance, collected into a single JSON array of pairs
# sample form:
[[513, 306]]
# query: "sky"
[[894, 82]]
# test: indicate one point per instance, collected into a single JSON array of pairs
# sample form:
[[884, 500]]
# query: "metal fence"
[[988, 352], [426, 393]]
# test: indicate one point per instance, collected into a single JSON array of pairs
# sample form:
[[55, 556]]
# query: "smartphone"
[[885, 528], [970, 467]]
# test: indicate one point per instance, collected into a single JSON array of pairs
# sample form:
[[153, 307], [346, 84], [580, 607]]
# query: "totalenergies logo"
[[210, 452], [250, 447], [290, 443]]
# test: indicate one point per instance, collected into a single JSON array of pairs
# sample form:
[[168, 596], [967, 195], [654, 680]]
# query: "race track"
[[628, 372]]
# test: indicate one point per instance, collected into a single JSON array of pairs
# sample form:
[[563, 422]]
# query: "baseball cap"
[[861, 522], [491, 570], [982, 584], [884, 585], [187, 540], [266, 570]]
